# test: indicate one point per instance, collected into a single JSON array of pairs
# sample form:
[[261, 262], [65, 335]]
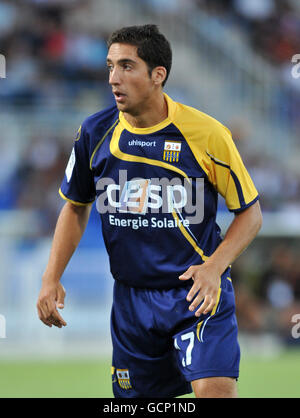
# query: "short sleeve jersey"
[[156, 189]]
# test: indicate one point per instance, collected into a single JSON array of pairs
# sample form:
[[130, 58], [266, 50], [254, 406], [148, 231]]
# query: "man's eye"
[[110, 68]]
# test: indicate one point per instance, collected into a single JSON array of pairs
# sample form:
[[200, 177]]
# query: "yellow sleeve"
[[227, 172], [214, 149]]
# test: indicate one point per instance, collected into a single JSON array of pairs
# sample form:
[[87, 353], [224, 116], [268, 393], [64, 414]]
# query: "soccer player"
[[155, 168]]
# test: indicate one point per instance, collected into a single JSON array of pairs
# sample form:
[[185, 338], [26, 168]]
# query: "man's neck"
[[153, 114]]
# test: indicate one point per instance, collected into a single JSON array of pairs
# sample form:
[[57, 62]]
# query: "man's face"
[[129, 78]]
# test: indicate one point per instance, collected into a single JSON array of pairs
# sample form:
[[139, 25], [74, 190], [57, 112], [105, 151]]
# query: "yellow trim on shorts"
[[212, 313]]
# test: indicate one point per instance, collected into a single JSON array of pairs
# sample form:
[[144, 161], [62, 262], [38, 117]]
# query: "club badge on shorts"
[[123, 378], [172, 151]]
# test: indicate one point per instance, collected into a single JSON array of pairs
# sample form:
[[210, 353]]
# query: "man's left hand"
[[206, 286]]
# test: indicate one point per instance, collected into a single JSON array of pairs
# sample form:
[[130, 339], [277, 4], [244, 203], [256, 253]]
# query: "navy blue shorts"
[[159, 346]]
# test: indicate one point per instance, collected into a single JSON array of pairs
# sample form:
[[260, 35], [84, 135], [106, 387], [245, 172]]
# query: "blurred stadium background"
[[232, 60]]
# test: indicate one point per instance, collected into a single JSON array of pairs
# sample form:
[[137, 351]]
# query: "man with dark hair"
[[155, 168], [152, 46]]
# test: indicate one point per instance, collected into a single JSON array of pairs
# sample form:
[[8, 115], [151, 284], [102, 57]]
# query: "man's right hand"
[[51, 297]]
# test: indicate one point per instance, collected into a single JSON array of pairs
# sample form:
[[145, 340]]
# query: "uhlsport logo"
[[138, 143], [2, 66]]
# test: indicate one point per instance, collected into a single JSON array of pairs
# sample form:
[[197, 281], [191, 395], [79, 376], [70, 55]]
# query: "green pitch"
[[276, 377]]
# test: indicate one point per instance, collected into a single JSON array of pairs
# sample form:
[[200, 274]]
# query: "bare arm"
[[239, 235], [69, 229]]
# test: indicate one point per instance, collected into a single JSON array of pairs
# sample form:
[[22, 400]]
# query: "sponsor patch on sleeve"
[[70, 165]]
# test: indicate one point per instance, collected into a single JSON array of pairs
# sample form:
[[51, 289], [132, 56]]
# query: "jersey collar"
[[151, 129]]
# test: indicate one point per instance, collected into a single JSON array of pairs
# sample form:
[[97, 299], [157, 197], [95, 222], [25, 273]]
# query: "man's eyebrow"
[[122, 61]]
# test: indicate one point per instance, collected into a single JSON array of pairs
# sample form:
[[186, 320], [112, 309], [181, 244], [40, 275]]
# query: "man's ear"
[[158, 75]]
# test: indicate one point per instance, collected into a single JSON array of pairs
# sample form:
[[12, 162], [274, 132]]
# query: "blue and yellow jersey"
[[156, 189]]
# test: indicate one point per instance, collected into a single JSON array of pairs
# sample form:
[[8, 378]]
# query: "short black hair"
[[152, 46]]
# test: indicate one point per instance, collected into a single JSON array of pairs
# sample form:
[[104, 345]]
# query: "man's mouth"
[[119, 96]]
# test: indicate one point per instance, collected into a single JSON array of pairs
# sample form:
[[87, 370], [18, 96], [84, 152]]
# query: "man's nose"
[[114, 76]]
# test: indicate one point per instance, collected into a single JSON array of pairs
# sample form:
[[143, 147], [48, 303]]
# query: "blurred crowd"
[[50, 61], [273, 30], [278, 184], [273, 25], [47, 56], [267, 287]]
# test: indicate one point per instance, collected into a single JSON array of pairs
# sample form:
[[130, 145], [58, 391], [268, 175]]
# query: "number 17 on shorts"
[[186, 357]]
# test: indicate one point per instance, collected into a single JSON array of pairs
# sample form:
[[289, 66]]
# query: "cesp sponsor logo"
[[156, 195]]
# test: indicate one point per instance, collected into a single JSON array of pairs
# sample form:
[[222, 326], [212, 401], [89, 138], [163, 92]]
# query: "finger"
[[45, 321], [60, 303], [61, 293], [51, 307], [194, 289], [208, 301], [188, 274], [196, 302], [43, 310], [55, 322], [55, 317], [210, 307]]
